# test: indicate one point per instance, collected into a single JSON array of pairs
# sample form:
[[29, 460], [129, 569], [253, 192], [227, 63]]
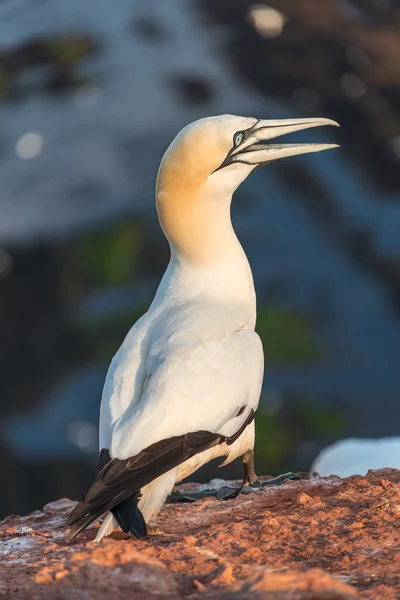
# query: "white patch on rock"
[[61, 504], [18, 545], [358, 456]]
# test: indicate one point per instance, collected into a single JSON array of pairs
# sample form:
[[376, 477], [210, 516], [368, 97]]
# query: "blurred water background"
[[91, 94]]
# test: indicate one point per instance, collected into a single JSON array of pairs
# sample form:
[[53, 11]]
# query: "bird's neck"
[[229, 284], [207, 260]]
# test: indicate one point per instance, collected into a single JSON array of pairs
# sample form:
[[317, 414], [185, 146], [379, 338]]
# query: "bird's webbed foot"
[[258, 485], [227, 492], [251, 484], [223, 493], [178, 496]]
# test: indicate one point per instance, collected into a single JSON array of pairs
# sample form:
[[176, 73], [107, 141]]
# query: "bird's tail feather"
[[126, 513], [154, 495], [129, 517], [84, 522], [109, 524]]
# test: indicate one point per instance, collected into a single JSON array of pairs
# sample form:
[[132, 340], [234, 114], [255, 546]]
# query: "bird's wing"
[[202, 384], [123, 385], [200, 370]]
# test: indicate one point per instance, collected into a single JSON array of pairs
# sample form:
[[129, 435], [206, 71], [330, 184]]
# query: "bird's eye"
[[238, 139]]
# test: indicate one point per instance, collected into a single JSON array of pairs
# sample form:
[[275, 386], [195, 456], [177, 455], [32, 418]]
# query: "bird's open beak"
[[254, 151]]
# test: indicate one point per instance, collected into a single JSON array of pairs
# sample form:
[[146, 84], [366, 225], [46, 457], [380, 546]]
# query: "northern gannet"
[[185, 384]]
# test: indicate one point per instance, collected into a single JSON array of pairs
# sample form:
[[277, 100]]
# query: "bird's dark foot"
[[251, 484], [178, 496], [223, 493], [249, 488], [226, 492]]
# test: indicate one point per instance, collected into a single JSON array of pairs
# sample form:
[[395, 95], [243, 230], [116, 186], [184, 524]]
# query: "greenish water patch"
[[104, 258], [279, 435], [287, 336], [110, 257]]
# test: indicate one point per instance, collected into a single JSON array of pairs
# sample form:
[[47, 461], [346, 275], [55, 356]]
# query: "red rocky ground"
[[315, 539]]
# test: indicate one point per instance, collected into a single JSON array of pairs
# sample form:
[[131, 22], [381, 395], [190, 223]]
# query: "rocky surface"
[[313, 539]]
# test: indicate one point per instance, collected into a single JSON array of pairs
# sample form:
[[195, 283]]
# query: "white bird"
[[185, 384]]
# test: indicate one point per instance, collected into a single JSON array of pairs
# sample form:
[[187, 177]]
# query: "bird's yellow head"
[[206, 163]]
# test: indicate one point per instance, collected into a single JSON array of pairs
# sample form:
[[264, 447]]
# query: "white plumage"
[[193, 362], [186, 365]]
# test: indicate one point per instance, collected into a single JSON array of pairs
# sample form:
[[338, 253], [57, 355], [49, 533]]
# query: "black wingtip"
[[73, 533], [81, 517], [130, 518]]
